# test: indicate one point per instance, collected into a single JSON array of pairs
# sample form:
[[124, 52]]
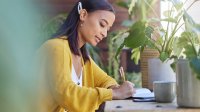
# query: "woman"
[[71, 79]]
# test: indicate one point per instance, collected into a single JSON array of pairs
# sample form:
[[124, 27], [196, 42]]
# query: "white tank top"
[[75, 78]]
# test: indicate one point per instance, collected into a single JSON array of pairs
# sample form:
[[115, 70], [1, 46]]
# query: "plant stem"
[[179, 27], [175, 30], [166, 36], [191, 4], [143, 10]]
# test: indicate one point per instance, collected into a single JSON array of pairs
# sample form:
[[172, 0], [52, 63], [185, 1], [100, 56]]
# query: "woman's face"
[[95, 26]]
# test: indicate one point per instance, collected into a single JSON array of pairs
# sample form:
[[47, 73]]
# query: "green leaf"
[[191, 25], [167, 13], [153, 20], [177, 50], [173, 66], [195, 65], [187, 41], [169, 20], [183, 40], [189, 51], [135, 55], [169, 45], [159, 41], [148, 31], [136, 37], [122, 4], [131, 6], [189, 21], [164, 56], [177, 4]]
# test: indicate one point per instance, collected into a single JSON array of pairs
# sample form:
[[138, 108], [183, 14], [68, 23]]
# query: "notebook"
[[143, 95]]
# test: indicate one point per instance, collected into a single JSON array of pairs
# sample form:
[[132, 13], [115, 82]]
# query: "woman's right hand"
[[123, 91]]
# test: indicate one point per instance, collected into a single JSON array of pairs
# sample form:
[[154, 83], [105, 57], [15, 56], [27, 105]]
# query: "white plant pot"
[[160, 71], [188, 86]]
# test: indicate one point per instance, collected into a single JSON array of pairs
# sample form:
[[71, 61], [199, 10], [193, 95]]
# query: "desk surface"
[[130, 106]]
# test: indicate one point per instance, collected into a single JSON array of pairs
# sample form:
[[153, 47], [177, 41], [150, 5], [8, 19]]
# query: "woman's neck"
[[81, 42]]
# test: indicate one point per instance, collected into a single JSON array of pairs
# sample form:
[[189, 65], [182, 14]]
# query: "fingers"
[[123, 91], [129, 87]]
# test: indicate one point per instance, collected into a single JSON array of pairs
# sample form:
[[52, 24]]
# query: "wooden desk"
[[130, 106]]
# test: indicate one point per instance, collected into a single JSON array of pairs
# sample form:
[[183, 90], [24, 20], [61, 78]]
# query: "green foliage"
[[123, 4], [136, 35], [113, 41], [135, 78], [140, 33], [190, 44], [135, 55]]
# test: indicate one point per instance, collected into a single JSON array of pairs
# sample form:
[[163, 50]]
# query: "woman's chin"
[[93, 43]]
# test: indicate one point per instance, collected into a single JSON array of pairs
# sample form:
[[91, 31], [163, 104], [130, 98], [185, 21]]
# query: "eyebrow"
[[106, 22]]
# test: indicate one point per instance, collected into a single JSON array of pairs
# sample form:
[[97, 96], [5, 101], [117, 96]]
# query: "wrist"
[[113, 87], [115, 94]]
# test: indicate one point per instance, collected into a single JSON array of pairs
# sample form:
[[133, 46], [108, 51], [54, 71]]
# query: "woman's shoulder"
[[56, 42]]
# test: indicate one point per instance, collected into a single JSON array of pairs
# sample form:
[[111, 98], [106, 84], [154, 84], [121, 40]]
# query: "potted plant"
[[141, 36], [188, 65]]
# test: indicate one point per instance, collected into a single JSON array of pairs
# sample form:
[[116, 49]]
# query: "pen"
[[121, 70]]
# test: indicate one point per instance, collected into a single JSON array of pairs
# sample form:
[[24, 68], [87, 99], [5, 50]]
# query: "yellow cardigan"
[[57, 90]]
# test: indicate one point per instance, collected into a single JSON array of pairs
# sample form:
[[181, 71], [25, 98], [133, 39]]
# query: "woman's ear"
[[83, 14]]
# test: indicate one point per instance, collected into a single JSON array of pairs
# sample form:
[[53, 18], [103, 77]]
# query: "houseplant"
[[141, 33], [140, 37], [188, 65], [139, 10]]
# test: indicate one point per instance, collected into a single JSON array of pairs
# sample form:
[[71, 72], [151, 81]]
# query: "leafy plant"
[[189, 44], [141, 32]]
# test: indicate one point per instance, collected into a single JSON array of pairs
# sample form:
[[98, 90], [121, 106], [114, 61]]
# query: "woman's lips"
[[98, 39]]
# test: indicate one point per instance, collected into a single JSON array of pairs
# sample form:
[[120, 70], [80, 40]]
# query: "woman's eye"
[[102, 25]]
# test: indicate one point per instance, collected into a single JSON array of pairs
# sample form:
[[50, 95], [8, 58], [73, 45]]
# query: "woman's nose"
[[104, 33]]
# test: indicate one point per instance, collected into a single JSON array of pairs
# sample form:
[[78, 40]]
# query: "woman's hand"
[[123, 91]]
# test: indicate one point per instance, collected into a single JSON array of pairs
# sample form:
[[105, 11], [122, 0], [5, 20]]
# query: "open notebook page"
[[143, 93]]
